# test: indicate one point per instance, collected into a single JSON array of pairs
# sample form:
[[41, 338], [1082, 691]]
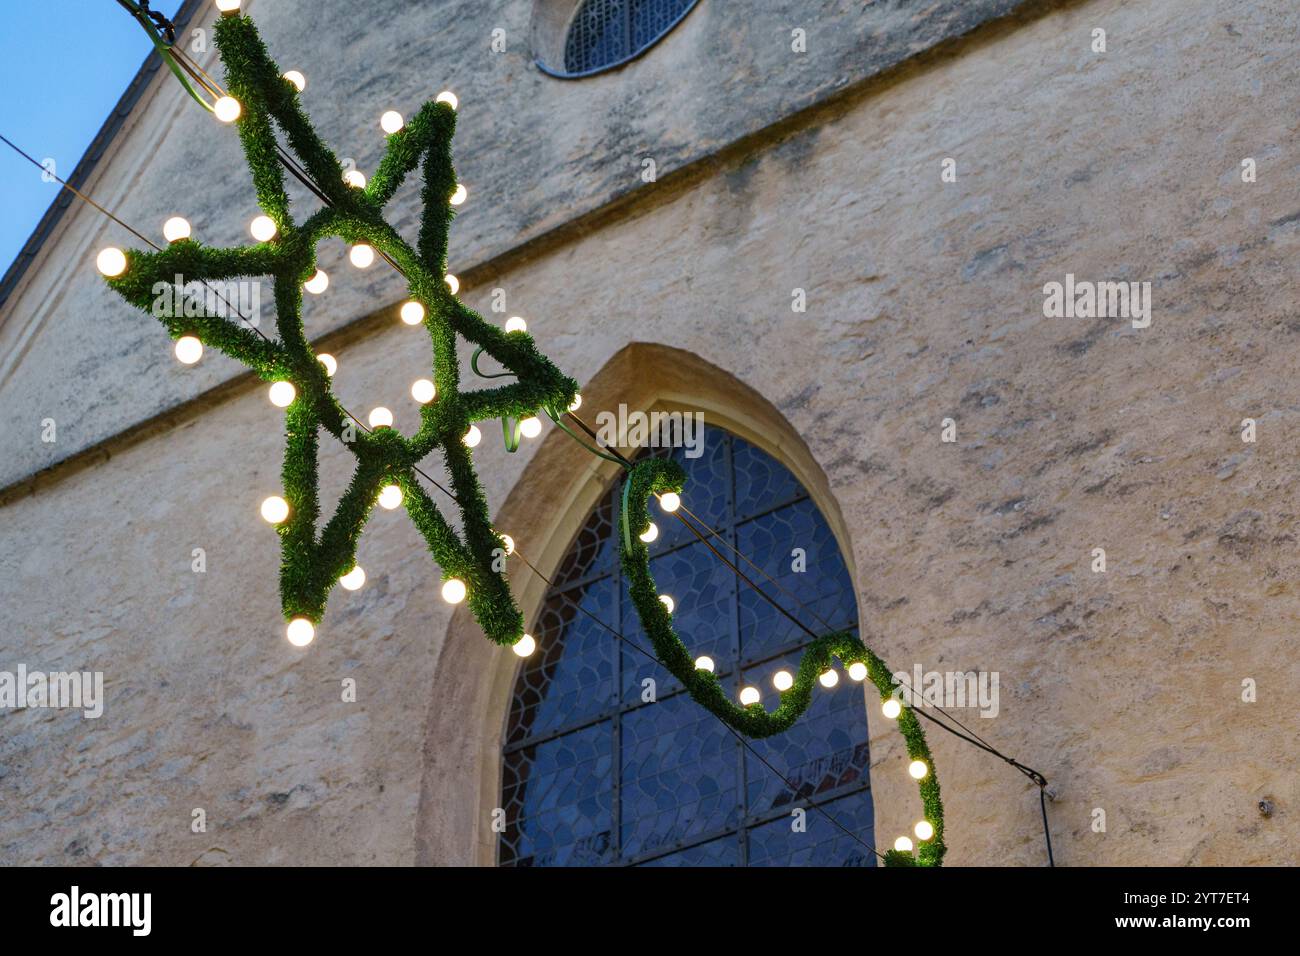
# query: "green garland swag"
[[655, 476], [311, 564]]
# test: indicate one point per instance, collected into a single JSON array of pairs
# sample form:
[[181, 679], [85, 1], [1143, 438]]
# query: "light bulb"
[[667, 602], [749, 695], [460, 195], [361, 256], [176, 228], [391, 122], [300, 632], [670, 501], [282, 394], [317, 283], [857, 670], [189, 349], [704, 663], [782, 680], [353, 579], [918, 769], [924, 830], [412, 313], [903, 845], [423, 390], [525, 646], [262, 228], [297, 79], [453, 590], [275, 509], [650, 533], [390, 496], [576, 404], [452, 283], [226, 109], [355, 178], [829, 678], [380, 417], [531, 427], [891, 709], [509, 543], [448, 97], [516, 323], [331, 365], [472, 437], [228, 6], [111, 261]]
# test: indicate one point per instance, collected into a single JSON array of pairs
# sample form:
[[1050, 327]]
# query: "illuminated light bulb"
[[903, 845], [516, 323], [412, 313], [355, 178], [452, 283], [317, 283], [650, 533], [670, 501], [918, 769], [226, 109], [262, 228], [282, 394], [380, 417], [228, 6], [829, 679], [509, 543], [531, 427], [924, 830], [577, 403], [176, 228], [391, 122], [423, 390], [749, 695], [460, 195], [390, 496], [782, 680], [525, 646], [297, 79], [891, 709], [331, 365], [189, 349], [111, 261], [275, 509], [300, 632], [353, 579], [704, 663], [667, 602], [453, 591], [448, 97], [361, 256], [472, 437], [857, 670]]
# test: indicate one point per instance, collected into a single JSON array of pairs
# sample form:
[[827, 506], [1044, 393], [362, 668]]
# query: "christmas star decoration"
[[311, 562]]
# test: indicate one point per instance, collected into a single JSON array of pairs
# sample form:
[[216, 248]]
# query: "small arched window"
[[602, 34], [593, 774]]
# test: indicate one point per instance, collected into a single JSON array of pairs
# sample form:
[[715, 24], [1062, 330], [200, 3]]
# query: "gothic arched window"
[[595, 775]]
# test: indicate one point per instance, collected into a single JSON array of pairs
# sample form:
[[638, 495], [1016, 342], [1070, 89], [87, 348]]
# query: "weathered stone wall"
[[924, 302]]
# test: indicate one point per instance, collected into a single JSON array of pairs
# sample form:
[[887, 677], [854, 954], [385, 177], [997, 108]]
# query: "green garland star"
[[311, 563]]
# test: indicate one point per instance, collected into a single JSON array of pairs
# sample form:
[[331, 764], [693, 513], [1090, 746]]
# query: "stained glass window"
[[606, 33], [595, 775]]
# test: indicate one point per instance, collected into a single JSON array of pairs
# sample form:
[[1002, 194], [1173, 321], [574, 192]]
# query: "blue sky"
[[63, 67]]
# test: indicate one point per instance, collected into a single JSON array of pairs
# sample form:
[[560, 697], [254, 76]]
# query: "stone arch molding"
[[470, 696]]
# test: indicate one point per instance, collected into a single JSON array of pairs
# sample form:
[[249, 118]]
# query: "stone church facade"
[[829, 228]]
